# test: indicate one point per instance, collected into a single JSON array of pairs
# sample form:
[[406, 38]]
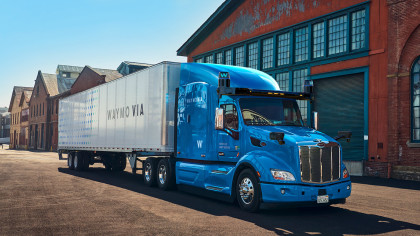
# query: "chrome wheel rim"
[[75, 162], [69, 157], [162, 174], [246, 190], [147, 172]]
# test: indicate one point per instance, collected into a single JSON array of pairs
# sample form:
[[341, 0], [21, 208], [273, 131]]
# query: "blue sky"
[[40, 34]]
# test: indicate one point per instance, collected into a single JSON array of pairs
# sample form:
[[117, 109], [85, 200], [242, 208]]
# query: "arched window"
[[415, 101]]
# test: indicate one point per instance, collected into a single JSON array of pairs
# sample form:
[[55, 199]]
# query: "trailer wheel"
[[248, 192], [78, 161], [165, 175], [86, 161], [149, 170], [70, 162]]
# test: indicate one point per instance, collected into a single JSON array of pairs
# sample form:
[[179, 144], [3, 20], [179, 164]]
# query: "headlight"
[[345, 173], [282, 175]]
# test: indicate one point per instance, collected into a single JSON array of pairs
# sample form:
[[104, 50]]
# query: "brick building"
[[24, 118], [361, 56], [87, 78], [15, 110], [45, 86]]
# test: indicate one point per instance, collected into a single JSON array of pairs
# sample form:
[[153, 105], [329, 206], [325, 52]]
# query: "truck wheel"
[[86, 161], [165, 175], [149, 170], [248, 192], [70, 162], [78, 161]]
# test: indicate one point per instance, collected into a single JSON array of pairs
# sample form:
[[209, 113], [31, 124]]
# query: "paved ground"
[[39, 195]]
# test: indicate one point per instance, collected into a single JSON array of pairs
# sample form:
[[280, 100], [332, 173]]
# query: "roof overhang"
[[209, 26]]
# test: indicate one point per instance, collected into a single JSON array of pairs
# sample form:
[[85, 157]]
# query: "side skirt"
[[206, 193]]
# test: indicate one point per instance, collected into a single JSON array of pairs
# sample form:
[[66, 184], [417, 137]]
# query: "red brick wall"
[[86, 80], [404, 49], [256, 17], [38, 99]]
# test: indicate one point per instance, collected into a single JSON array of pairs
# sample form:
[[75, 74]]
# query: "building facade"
[[15, 116], [4, 125], [361, 57]]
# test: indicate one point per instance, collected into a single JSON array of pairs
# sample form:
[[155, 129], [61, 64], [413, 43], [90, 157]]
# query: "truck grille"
[[320, 165]]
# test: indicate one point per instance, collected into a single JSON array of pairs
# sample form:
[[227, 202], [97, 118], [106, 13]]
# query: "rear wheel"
[[165, 176], [70, 162], [149, 169], [248, 192], [78, 161]]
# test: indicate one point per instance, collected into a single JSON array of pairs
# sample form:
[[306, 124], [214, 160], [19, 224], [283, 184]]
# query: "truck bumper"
[[283, 193]]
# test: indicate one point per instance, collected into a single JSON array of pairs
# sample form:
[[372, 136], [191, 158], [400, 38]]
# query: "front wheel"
[[248, 192]]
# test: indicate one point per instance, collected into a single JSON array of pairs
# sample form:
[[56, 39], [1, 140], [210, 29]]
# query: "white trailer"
[[132, 114]]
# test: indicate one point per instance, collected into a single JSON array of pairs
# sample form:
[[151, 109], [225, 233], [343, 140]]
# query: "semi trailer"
[[224, 131]]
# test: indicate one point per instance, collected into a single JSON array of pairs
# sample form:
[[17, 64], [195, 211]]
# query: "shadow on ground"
[[394, 183], [329, 221]]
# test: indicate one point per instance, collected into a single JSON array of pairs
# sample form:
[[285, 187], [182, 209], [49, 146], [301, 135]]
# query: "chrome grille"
[[320, 165]]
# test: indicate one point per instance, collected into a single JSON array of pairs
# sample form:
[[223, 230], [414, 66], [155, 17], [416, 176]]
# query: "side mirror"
[[315, 120], [219, 124], [344, 134]]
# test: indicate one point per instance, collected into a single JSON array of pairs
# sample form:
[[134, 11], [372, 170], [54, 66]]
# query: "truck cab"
[[239, 137]]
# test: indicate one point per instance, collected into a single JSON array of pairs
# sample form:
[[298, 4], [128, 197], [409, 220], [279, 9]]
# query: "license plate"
[[322, 199]]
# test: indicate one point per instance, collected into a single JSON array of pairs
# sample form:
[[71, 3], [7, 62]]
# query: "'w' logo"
[[199, 143]]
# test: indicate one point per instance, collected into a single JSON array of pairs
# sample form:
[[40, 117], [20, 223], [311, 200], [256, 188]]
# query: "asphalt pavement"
[[39, 195]]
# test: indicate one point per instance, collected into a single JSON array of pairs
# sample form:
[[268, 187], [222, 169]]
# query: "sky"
[[41, 34]]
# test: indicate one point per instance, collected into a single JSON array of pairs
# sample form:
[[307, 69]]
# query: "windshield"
[[270, 111]]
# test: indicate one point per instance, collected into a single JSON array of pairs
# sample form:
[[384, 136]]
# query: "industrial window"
[[283, 49], [42, 108], [208, 59], [299, 77], [337, 35], [228, 57], [199, 60], [253, 55], [283, 81], [219, 58], [358, 30], [267, 57], [301, 44], [56, 107], [318, 40], [415, 96], [239, 56]]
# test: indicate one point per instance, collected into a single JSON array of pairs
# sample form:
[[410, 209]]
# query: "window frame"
[[412, 117]]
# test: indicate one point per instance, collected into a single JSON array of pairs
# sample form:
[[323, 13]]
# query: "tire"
[[78, 161], [86, 161], [149, 172], [165, 175], [248, 191], [70, 162]]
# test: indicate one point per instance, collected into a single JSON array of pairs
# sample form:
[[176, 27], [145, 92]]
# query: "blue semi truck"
[[227, 132]]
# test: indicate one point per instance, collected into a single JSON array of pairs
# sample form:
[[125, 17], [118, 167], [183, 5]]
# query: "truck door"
[[193, 122], [228, 144]]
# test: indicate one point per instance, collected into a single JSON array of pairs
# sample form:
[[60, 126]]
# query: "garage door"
[[339, 102]]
